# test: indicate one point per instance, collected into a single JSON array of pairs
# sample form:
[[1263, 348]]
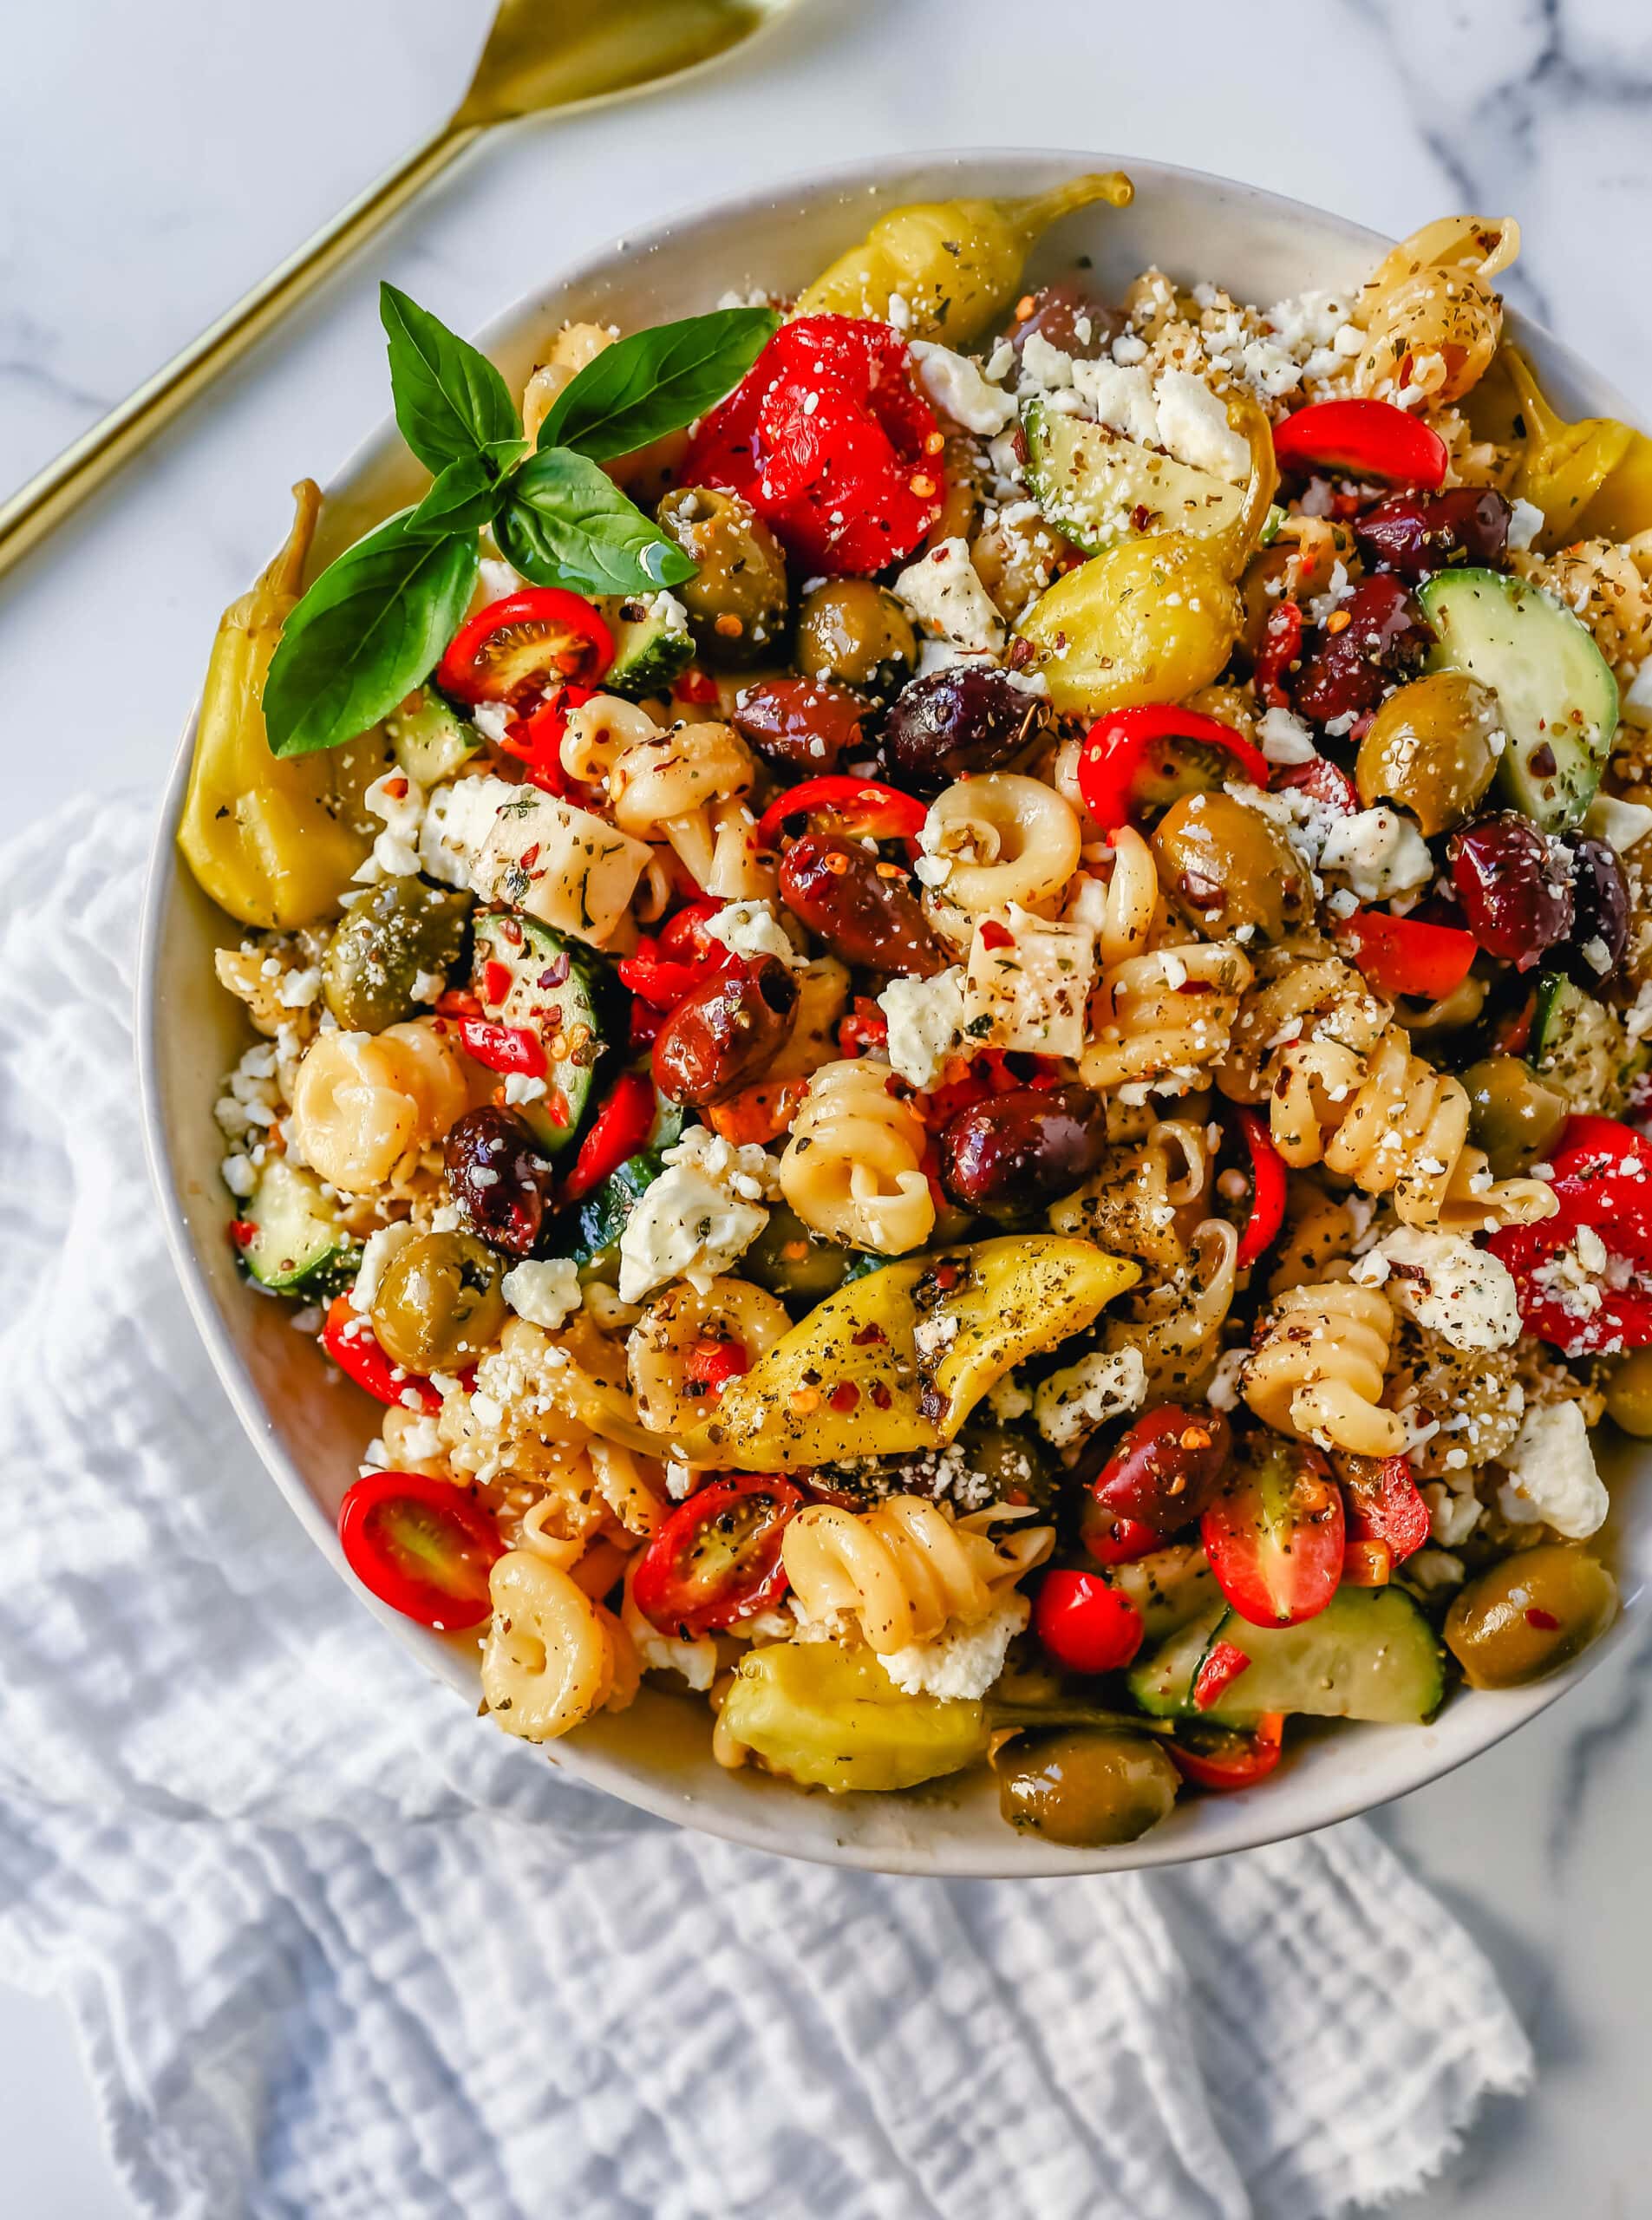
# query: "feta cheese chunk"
[[1379, 853], [376, 1252], [705, 1210], [1622, 824], [1638, 696], [1028, 985], [751, 928], [1193, 427], [515, 844], [964, 1661], [546, 1291], [1075, 1401], [1552, 1476], [1526, 521], [958, 389], [943, 594], [925, 1021], [1464, 1293], [1285, 738]]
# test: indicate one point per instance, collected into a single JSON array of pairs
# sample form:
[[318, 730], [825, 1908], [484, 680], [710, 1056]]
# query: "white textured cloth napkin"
[[338, 1952]]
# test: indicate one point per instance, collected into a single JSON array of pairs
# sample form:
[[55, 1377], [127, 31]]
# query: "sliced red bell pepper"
[[1383, 1505], [684, 939], [1222, 1761], [536, 741], [504, 1047], [1406, 955], [1222, 1664], [1361, 439], [617, 1132], [1112, 754], [860, 808], [866, 1027], [710, 1365], [1602, 1184], [1267, 1189], [519, 647], [423, 1545], [716, 1559], [349, 1339], [659, 981]]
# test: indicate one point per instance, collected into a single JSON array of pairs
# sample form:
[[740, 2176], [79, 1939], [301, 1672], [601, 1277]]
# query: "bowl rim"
[[1497, 1714]]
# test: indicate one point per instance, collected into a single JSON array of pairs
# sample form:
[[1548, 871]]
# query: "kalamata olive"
[[955, 722], [1628, 1394], [438, 1306], [1346, 665], [1513, 1116], [723, 1035], [863, 909], [848, 628], [1167, 1469], [388, 936], [1529, 1614], [737, 600], [1010, 1155], [1514, 889], [1225, 866], [1067, 316], [499, 1180], [1600, 902], [803, 724], [1085, 1785], [795, 1263], [1416, 534], [1432, 749]]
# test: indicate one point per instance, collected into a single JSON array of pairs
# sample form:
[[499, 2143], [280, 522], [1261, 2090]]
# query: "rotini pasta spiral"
[[678, 782], [904, 1570], [1393, 1125], [1176, 1328], [1318, 1365], [574, 347], [664, 1341], [552, 1656], [1136, 1205], [1319, 996], [365, 1104], [1007, 838], [1162, 1021], [1319, 1231], [1123, 908], [1431, 316], [852, 1169]]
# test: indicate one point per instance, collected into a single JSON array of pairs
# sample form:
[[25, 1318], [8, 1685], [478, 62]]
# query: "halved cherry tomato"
[[504, 1047], [421, 1545], [1267, 1189], [1112, 1539], [536, 741], [716, 1559], [1084, 1624], [1603, 1180], [861, 808], [1115, 756], [618, 1131], [1214, 1758], [1405, 956], [518, 646], [1219, 1668], [1383, 1505], [1275, 1536], [349, 1339], [1361, 439]]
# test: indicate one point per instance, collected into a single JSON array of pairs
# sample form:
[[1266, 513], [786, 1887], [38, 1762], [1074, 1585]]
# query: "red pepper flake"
[[870, 1337], [243, 1232], [880, 1395], [396, 789], [844, 1396], [1545, 1622], [993, 935]]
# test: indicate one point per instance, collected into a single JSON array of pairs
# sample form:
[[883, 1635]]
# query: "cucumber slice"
[[299, 1246], [1169, 1588], [1098, 488], [1370, 1654], [553, 993], [599, 1219], [652, 645], [430, 738], [1576, 1044], [1555, 688]]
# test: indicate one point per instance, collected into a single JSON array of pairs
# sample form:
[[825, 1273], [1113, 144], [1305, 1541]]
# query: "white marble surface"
[[154, 160]]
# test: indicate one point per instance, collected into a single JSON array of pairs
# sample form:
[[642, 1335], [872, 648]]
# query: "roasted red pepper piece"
[[618, 1130], [535, 741], [1222, 1761], [1383, 1505], [861, 808], [504, 1047], [1603, 1180], [716, 1559], [1361, 439], [349, 1339], [1282, 644], [1267, 1189], [1222, 1664], [1406, 955], [421, 1545], [1112, 754]]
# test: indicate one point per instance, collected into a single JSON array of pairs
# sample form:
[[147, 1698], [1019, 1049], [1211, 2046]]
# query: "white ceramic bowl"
[[658, 1755]]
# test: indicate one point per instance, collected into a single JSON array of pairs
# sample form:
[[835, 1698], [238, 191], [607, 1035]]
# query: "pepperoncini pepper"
[[1155, 618], [272, 840], [832, 1718], [957, 264], [1591, 479]]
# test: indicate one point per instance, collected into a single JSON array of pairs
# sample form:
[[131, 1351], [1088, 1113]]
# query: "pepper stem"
[[1028, 218]]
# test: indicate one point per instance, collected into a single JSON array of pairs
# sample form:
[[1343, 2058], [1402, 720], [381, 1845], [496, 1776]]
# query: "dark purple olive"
[[720, 1038], [1377, 635], [1069, 317], [863, 908], [499, 1182], [804, 724], [1416, 534], [963, 719], [1600, 903], [1167, 1469], [1010, 1155], [1514, 887]]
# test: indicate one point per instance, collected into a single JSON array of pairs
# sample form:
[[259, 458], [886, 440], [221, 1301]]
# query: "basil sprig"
[[375, 623]]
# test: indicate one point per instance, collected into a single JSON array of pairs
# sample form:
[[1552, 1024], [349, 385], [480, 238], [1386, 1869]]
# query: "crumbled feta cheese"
[[238, 1174], [1227, 1382], [958, 389], [751, 928], [1638, 696], [925, 1021], [944, 595], [1073, 1402], [1432, 1570], [1552, 1476], [523, 1086], [1285, 738], [1464, 1293], [1454, 1511], [963, 1662], [299, 989], [498, 577], [546, 1291], [930, 1337], [704, 1212], [1526, 521], [1193, 427], [1009, 1401], [1622, 824], [1044, 367], [1028, 985], [399, 801], [1379, 853], [376, 1253], [421, 1439]]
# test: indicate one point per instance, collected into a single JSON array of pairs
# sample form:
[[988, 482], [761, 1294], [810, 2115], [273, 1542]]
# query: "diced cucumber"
[[652, 644], [1577, 1044], [1168, 1587], [1370, 1654], [1098, 488], [430, 738], [553, 992], [599, 1219], [1555, 688], [298, 1245]]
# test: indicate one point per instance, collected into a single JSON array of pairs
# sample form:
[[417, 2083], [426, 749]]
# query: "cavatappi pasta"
[[996, 1066]]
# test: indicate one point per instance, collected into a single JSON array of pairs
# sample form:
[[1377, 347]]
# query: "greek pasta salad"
[[951, 986]]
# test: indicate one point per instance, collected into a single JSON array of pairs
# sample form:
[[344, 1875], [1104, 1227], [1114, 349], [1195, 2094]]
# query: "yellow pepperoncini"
[[273, 840], [897, 1361], [833, 1718], [1155, 618], [955, 264], [1591, 479]]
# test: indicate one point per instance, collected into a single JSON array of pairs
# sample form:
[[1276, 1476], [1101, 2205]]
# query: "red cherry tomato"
[[349, 1339], [1383, 1505], [504, 1047], [1085, 1625], [1219, 1668], [515, 648], [1113, 1540], [1603, 1180], [421, 1545], [1214, 1758], [618, 1130], [716, 1559], [861, 808], [1267, 1189], [536, 741], [1361, 439], [1168, 1465], [1115, 754], [1275, 1537], [1405, 956]]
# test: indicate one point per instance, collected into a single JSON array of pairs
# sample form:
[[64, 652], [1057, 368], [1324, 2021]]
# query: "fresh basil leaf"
[[566, 523], [656, 382], [372, 628], [466, 496], [449, 399]]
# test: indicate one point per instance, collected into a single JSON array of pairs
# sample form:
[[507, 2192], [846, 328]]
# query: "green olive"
[[1529, 1614], [792, 1263], [1085, 1785], [388, 936], [737, 602], [438, 1305], [1432, 749], [1016, 1466], [851, 630], [1628, 1393], [1225, 866], [1513, 1116]]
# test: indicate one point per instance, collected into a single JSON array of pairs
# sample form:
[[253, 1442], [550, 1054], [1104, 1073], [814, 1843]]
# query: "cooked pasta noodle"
[[1177, 1328], [1431, 317], [853, 1167], [552, 1656], [1163, 1021], [1317, 1369], [574, 347], [1320, 996], [1122, 908], [682, 1321], [1319, 1231], [671, 782], [903, 1572], [1135, 1205], [1007, 838], [365, 1104]]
